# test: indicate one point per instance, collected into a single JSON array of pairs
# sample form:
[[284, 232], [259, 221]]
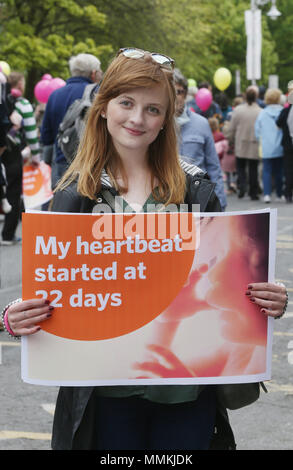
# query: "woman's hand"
[[272, 298], [24, 317]]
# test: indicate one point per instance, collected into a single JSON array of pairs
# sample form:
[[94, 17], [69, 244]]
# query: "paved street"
[[27, 410]]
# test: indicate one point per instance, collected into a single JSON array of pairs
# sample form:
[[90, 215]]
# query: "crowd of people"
[[255, 146], [29, 135], [245, 147], [143, 143], [253, 142]]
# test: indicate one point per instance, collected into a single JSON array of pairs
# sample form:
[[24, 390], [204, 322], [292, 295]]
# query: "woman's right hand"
[[24, 317]]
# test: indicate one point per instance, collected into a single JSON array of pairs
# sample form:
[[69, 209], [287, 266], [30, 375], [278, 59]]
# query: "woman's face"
[[135, 118]]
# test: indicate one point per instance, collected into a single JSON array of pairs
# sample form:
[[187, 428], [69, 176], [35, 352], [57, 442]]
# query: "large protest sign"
[[148, 298]]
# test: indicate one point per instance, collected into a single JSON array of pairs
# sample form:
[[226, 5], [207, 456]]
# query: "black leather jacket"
[[199, 190], [282, 123], [73, 426]]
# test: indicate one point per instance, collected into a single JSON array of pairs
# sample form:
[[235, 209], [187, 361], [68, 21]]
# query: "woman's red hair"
[[96, 150]]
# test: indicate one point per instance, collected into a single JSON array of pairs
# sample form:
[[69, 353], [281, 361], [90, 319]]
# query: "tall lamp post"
[[254, 37]]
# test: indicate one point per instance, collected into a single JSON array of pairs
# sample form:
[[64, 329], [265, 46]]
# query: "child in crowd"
[[226, 157], [221, 142]]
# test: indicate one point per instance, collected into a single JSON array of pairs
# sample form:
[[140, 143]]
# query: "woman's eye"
[[126, 103], [153, 110]]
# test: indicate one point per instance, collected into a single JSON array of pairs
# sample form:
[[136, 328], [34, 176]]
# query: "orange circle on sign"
[[102, 295], [32, 180]]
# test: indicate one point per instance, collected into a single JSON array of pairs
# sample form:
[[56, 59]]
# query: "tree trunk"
[[32, 79]]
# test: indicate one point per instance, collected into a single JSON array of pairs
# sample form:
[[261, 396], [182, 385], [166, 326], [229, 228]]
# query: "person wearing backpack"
[[84, 69], [73, 124]]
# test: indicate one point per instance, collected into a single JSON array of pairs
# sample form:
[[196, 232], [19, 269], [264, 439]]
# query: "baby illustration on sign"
[[217, 325]]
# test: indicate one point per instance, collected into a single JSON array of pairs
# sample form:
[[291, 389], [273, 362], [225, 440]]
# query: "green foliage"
[[48, 34], [39, 37], [281, 31]]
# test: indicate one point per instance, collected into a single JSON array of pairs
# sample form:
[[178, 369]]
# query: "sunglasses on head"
[[161, 59]]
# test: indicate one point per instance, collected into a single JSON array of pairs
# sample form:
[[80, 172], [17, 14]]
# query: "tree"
[[48, 33], [233, 45], [281, 31], [131, 24], [200, 36]]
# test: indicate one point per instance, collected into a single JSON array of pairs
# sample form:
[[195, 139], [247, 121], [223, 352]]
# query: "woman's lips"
[[133, 131]]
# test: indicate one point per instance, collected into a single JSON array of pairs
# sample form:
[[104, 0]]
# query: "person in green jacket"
[[22, 147]]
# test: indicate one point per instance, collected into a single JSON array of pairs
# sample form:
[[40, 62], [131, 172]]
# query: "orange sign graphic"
[[106, 275], [32, 180], [36, 184]]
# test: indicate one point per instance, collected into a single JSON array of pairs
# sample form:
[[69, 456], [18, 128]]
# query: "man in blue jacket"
[[84, 69], [196, 142]]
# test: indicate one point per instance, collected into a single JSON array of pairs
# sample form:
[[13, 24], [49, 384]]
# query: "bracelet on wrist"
[[287, 300], [5, 321]]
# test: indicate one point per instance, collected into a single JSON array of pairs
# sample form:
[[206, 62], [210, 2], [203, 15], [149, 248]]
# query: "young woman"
[[129, 149]]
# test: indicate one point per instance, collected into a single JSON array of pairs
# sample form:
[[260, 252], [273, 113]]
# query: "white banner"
[[273, 81], [254, 39]]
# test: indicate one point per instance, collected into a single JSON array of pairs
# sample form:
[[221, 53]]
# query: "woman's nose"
[[137, 115]]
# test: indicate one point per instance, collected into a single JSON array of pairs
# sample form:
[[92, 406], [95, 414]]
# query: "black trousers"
[[134, 423], [2, 181], [288, 173], [252, 181], [12, 161]]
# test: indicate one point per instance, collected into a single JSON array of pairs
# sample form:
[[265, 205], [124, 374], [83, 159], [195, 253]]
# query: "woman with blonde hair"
[[129, 150], [270, 137]]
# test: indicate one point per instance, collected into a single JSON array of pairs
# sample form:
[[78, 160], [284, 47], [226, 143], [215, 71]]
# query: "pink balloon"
[[56, 83], [45, 87], [47, 76], [203, 99], [15, 92], [42, 91]]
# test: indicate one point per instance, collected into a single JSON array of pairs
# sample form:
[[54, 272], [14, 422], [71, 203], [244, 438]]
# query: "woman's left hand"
[[272, 298]]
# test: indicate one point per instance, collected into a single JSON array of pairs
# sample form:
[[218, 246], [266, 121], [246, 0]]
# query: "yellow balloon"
[[5, 67], [222, 78]]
